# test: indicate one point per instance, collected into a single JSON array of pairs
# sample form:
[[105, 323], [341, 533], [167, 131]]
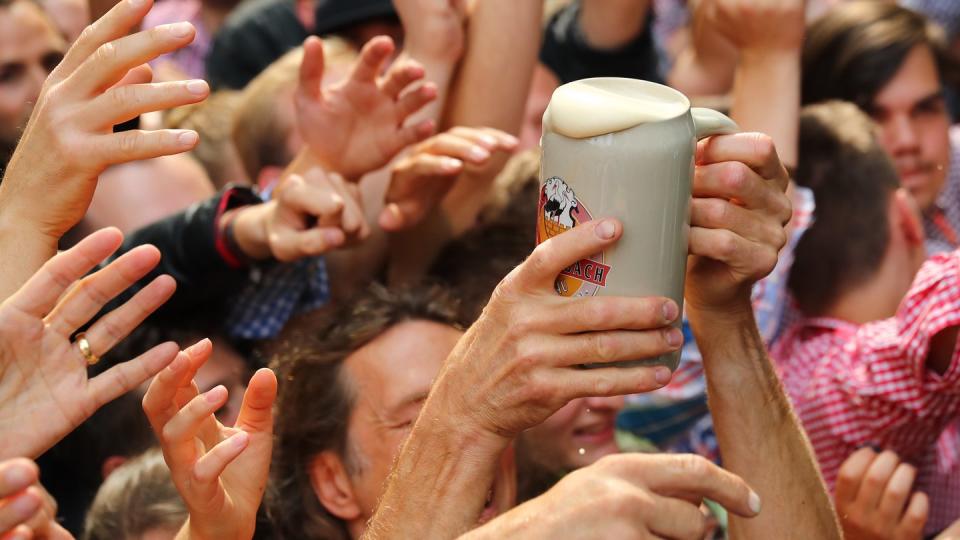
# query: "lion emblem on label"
[[559, 209]]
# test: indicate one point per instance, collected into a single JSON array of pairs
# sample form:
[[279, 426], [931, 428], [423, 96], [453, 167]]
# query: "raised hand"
[[628, 496], [755, 25], [103, 80], [737, 219], [433, 29], [421, 178], [44, 389], [357, 125], [518, 364], [26, 509], [220, 472], [308, 215], [874, 498]]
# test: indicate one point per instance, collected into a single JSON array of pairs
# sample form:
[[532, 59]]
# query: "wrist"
[[770, 57], [250, 229]]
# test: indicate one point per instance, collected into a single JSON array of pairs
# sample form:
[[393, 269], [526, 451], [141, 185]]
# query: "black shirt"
[[570, 57]]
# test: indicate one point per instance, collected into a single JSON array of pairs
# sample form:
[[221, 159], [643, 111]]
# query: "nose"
[[900, 134], [614, 403]]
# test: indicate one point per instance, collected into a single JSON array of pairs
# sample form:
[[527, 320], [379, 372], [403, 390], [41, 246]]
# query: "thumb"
[[256, 412], [391, 218]]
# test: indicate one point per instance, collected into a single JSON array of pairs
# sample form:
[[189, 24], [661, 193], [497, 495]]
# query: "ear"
[[331, 484], [111, 464], [905, 215]]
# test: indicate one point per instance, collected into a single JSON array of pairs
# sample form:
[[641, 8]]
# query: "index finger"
[[755, 150], [40, 293], [372, 57], [16, 475], [115, 24], [551, 257], [694, 475], [851, 474]]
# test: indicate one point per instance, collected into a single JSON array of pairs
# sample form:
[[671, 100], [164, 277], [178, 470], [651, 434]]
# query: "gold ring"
[[85, 349]]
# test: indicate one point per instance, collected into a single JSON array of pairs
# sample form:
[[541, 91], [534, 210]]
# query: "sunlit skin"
[[577, 435], [391, 377], [914, 124], [30, 47]]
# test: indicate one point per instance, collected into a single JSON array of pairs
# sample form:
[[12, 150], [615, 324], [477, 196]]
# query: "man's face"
[[30, 48], [390, 379], [914, 124], [577, 435]]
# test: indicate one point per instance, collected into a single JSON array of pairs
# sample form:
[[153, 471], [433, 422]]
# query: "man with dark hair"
[[892, 63], [352, 385], [30, 47], [875, 360]]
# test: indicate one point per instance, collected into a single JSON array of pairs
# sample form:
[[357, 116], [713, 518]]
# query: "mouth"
[[595, 434]]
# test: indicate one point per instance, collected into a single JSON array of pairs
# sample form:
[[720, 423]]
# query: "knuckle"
[[763, 146], [602, 315], [735, 176], [106, 53], [603, 346], [717, 210], [694, 465], [603, 387], [166, 433], [726, 245], [129, 142]]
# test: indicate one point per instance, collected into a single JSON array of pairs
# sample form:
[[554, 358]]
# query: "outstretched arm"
[[103, 80], [487, 92], [760, 438]]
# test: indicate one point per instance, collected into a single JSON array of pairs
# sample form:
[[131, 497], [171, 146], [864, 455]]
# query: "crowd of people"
[[268, 270]]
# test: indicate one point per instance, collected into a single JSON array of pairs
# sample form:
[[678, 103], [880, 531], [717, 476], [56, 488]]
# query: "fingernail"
[[180, 29], [24, 506], [670, 311], [479, 154], [452, 164], [188, 138], [215, 394], [197, 87], [17, 477], [754, 502], [240, 439], [606, 229], [662, 375], [136, 3], [674, 337], [488, 140], [19, 534], [332, 238]]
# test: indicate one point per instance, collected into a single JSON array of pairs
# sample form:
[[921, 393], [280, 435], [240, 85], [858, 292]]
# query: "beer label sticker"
[[559, 209]]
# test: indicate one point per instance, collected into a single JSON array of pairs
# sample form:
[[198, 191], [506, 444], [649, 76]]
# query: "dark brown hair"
[[315, 399], [852, 179], [854, 50]]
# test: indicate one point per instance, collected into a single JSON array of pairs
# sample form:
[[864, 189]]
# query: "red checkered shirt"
[[853, 385]]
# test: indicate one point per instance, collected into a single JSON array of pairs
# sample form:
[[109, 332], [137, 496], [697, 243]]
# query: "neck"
[[879, 297]]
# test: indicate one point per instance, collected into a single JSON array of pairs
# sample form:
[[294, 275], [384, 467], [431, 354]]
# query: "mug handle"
[[709, 122]]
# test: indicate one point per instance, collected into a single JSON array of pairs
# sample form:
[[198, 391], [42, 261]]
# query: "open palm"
[[220, 472], [45, 391], [357, 125]]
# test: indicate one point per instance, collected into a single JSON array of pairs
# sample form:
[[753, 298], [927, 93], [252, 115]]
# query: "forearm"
[[759, 436], [487, 92], [766, 97], [611, 24], [439, 483], [23, 250]]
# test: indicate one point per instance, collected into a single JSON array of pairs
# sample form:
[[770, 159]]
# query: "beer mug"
[[623, 148]]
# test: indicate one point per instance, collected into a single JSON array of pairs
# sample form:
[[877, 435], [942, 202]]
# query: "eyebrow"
[[932, 98], [411, 399]]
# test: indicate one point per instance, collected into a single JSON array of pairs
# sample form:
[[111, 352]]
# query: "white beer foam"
[[592, 107]]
